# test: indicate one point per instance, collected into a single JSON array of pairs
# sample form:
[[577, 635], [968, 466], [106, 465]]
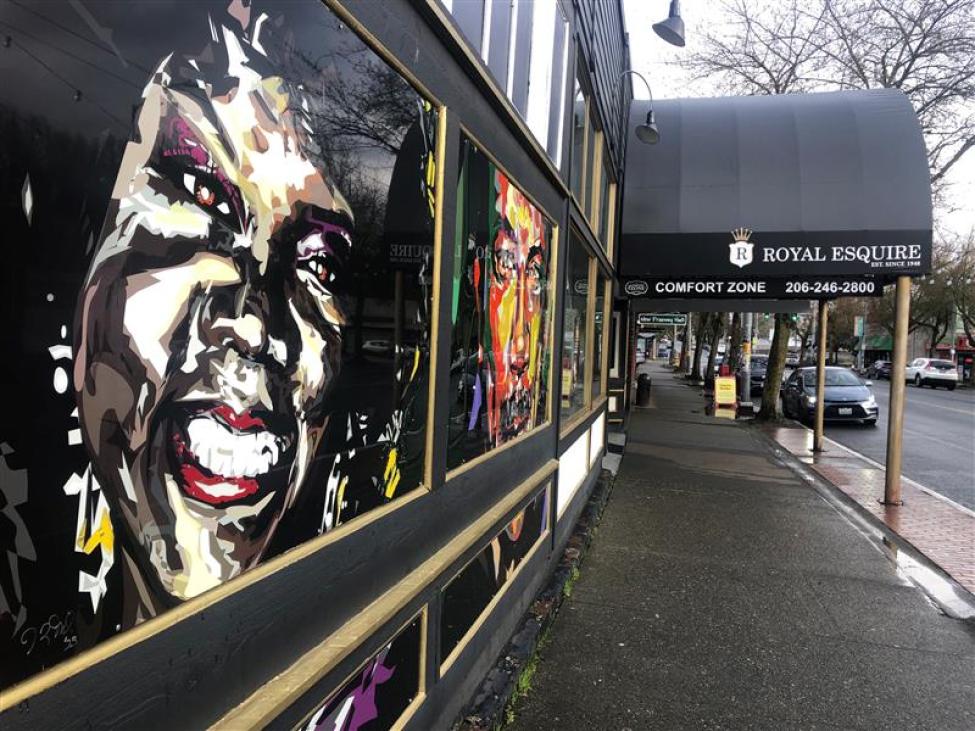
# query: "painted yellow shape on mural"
[[416, 362], [103, 536], [340, 499], [392, 474]]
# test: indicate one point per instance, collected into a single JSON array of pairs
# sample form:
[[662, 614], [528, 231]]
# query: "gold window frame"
[[550, 318], [421, 692], [471, 632]]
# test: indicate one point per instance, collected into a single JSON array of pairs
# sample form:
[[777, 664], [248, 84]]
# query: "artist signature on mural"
[[58, 631]]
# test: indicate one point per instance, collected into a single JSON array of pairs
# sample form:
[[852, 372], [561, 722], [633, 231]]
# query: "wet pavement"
[[722, 590], [941, 530]]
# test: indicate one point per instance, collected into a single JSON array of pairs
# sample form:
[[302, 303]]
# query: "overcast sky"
[[659, 62]]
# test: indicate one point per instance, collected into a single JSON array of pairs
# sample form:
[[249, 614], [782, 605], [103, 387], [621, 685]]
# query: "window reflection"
[[575, 318]]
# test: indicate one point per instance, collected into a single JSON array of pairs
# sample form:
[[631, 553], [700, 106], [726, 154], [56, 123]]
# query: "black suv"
[[879, 369]]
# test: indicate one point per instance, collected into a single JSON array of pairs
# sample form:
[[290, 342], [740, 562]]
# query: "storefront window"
[[597, 336], [525, 46], [605, 212], [595, 140], [575, 319], [578, 162], [501, 341], [252, 268]]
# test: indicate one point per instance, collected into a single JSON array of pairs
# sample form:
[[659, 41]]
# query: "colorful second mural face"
[[218, 310], [501, 339]]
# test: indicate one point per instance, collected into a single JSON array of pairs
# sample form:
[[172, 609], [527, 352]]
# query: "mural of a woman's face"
[[515, 310], [208, 333]]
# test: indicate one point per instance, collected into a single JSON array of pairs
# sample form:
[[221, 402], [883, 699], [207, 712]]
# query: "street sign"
[[858, 326], [795, 287], [649, 319]]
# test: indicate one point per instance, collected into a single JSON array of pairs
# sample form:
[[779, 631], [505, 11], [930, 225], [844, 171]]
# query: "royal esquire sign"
[[745, 253]]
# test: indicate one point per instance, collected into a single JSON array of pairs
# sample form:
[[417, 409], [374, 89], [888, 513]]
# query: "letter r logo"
[[741, 249]]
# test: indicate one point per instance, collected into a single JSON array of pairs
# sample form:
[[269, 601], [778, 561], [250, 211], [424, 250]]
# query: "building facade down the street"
[[311, 350]]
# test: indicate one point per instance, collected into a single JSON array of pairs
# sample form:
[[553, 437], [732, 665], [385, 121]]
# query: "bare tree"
[[761, 49], [925, 48], [839, 334], [804, 331], [962, 288], [703, 325], [933, 301], [715, 331], [734, 344], [776, 367]]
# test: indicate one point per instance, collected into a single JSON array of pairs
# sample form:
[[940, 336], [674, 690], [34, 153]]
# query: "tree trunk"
[[776, 366], [717, 326], [702, 325], [734, 347], [685, 343]]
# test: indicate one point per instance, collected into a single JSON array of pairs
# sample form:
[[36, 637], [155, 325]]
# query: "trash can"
[[643, 390]]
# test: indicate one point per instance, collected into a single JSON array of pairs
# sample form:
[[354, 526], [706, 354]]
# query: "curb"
[[951, 597], [508, 681]]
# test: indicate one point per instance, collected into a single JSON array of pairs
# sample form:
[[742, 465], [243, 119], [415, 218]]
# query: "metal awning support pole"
[[895, 418], [820, 373]]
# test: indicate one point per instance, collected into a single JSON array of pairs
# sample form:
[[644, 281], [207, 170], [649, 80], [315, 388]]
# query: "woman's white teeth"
[[231, 454]]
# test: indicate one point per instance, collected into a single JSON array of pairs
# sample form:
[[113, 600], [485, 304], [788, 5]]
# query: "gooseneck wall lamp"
[[672, 29], [647, 132]]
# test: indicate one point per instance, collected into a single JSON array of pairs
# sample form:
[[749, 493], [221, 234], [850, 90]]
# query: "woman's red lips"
[[242, 421], [195, 482], [220, 456]]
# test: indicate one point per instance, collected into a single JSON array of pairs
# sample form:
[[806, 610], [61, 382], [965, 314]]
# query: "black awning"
[[813, 184]]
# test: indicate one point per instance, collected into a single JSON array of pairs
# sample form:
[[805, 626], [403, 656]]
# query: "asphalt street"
[[939, 439]]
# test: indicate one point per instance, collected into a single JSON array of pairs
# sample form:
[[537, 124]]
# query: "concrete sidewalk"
[[723, 591], [940, 529]]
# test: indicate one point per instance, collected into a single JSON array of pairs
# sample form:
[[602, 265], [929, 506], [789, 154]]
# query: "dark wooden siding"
[[599, 30]]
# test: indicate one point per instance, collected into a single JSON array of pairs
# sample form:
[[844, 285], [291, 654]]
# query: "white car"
[[932, 372], [378, 347]]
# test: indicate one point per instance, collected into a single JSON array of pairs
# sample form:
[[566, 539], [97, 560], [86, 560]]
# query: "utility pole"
[[820, 373], [746, 363], [895, 418]]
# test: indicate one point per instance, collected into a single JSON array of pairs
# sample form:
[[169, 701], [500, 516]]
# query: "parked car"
[[759, 366], [377, 347], [846, 397], [932, 372], [879, 369]]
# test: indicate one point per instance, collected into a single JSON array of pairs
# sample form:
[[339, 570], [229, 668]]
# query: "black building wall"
[[269, 647]]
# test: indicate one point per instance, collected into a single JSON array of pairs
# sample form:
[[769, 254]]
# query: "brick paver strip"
[[942, 532]]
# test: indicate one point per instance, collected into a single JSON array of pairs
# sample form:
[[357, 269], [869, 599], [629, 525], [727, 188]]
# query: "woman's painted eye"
[[204, 193], [318, 265], [316, 256]]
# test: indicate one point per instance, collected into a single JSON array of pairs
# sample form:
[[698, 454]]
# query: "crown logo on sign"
[[742, 234]]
